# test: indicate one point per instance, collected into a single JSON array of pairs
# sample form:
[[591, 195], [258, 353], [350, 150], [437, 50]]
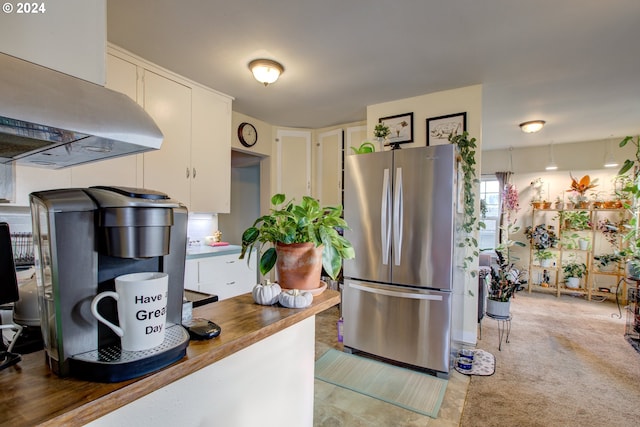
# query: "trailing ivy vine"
[[470, 223]]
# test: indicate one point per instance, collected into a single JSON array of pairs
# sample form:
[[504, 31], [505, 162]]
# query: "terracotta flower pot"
[[299, 265]]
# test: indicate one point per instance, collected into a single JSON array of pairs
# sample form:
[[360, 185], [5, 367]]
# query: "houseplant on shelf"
[[573, 271], [306, 228], [575, 220], [608, 262], [542, 236], [544, 257], [580, 187]]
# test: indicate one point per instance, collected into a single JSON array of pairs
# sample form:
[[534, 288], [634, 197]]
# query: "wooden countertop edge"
[[196, 359]]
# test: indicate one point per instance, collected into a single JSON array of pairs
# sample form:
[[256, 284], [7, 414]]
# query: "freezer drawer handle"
[[396, 294]]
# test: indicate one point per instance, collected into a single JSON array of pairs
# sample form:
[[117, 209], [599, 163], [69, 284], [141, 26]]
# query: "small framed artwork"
[[401, 128], [439, 128]]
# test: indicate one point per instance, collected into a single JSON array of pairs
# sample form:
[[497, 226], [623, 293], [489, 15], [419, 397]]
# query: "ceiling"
[[573, 63]]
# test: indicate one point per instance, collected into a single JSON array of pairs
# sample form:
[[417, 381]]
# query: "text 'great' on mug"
[[142, 309]]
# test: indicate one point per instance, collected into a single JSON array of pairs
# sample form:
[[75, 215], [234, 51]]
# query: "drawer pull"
[[230, 262], [231, 283]]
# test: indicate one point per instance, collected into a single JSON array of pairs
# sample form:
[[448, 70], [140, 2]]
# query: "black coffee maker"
[[83, 239]]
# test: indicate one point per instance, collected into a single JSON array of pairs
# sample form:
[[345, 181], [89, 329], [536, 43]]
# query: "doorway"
[[245, 197]]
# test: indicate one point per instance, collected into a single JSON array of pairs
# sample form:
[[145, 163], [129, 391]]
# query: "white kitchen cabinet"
[[169, 104], [194, 164], [223, 275], [329, 167], [29, 179], [293, 156], [210, 183], [122, 76], [191, 274]]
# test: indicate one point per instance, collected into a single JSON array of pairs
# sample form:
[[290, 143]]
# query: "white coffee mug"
[[142, 309]]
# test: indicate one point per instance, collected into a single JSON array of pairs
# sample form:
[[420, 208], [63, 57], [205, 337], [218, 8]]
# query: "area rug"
[[484, 364], [398, 386]]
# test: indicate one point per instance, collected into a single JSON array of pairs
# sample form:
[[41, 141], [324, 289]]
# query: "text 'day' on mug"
[[142, 309]]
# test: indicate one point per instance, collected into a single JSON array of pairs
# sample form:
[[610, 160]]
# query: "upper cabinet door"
[[210, 152], [168, 169], [294, 163], [122, 76], [329, 167], [355, 136]]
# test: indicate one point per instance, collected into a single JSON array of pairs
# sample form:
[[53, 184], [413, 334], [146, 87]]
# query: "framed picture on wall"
[[401, 127], [439, 128]]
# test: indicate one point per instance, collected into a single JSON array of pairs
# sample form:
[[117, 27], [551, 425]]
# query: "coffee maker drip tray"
[[112, 364]]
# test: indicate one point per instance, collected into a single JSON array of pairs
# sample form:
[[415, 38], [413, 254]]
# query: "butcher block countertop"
[[30, 394]]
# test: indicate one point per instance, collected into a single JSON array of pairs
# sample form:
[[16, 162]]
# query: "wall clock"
[[247, 134]]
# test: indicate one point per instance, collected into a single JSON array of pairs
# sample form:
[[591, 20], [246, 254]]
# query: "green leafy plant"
[[299, 223], [381, 130], [605, 259], [470, 223], [574, 269], [542, 236], [504, 279], [576, 220], [632, 252], [543, 254]]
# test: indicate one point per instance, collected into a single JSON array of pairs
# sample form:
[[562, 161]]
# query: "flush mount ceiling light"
[[532, 126], [266, 71]]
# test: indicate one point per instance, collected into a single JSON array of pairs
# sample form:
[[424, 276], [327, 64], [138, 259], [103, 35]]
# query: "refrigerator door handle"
[[395, 293], [385, 226], [398, 210]]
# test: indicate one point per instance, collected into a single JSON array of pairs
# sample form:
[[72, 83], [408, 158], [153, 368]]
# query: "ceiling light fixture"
[[551, 166], [532, 126], [266, 71]]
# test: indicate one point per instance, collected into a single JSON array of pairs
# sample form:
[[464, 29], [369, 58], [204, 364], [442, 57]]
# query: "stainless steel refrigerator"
[[397, 295]]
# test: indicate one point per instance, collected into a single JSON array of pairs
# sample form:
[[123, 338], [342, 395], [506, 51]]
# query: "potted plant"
[[544, 257], [580, 187], [573, 271], [575, 220], [306, 228], [381, 132], [503, 281], [608, 262], [537, 202], [542, 236]]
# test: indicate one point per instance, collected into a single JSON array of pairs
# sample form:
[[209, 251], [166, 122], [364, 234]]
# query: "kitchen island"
[[262, 361]]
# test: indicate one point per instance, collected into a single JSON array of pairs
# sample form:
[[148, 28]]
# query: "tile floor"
[[335, 406]]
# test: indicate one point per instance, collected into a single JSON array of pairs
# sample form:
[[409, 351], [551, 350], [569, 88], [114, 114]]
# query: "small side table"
[[504, 325]]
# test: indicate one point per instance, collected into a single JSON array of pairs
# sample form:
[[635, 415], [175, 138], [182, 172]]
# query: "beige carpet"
[[567, 364], [405, 388]]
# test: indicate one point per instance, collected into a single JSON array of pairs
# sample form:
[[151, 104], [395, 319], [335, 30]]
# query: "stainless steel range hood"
[[53, 120]]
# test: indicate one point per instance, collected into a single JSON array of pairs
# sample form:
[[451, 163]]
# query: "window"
[[490, 200]]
